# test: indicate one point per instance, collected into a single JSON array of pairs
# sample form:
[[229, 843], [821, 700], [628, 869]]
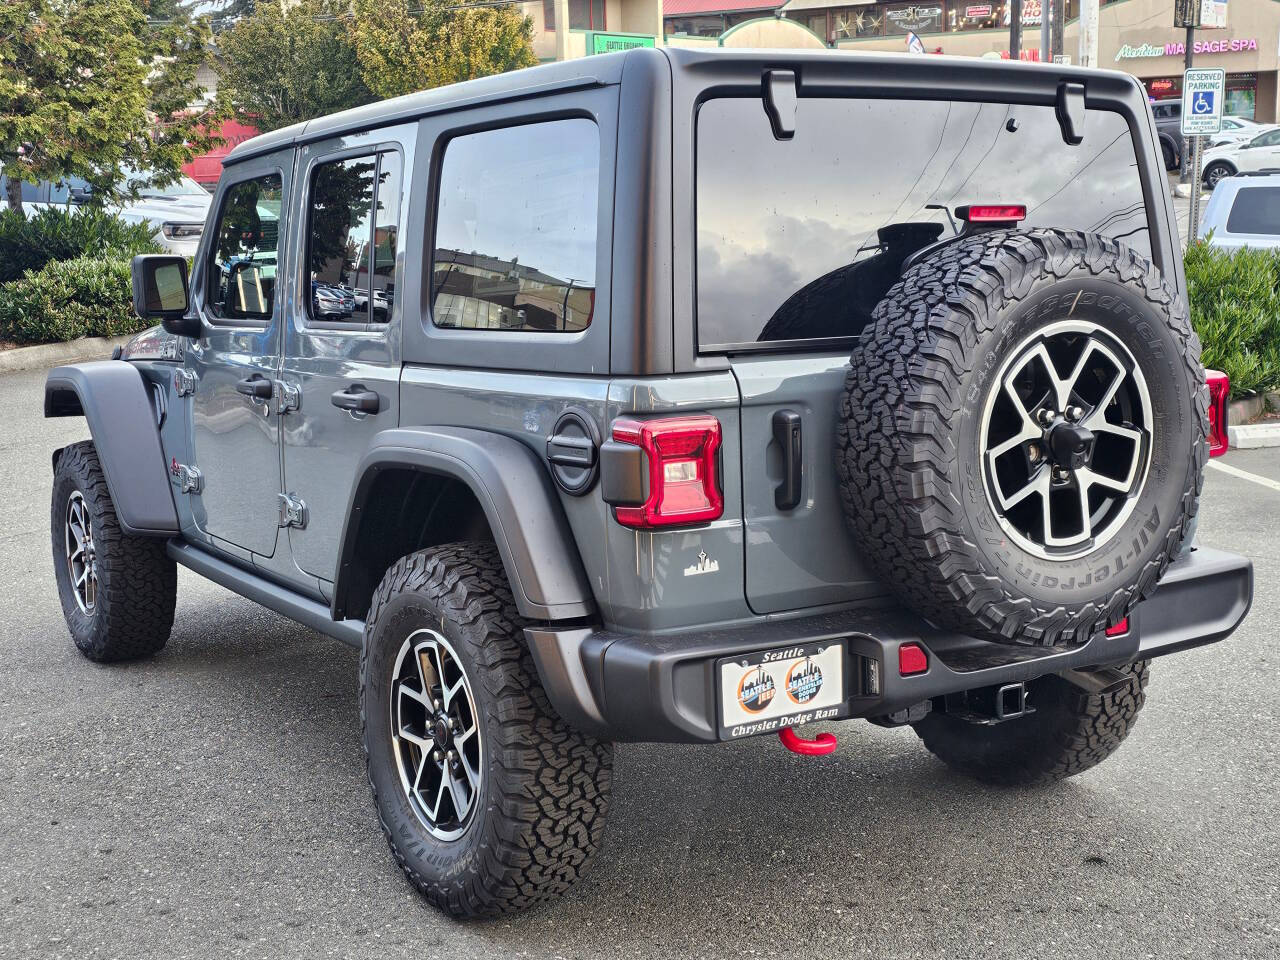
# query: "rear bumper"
[[663, 687]]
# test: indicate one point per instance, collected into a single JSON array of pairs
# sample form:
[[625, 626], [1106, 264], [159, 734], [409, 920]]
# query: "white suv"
[[176, 211]]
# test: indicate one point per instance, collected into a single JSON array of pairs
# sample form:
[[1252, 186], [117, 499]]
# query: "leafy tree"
[[280, 66], [89, 88], [402, 49]]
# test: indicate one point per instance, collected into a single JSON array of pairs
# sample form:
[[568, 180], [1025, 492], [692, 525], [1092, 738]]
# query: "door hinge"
[[293, 512], [184, 382], [290, 397], [186, 479]]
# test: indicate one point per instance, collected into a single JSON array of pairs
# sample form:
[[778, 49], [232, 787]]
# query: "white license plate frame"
[[747, 705]]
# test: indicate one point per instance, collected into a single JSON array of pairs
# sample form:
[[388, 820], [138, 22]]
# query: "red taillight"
[[912, 659], [993, 212], [1119, 628], [1219, 390], [681, 454]]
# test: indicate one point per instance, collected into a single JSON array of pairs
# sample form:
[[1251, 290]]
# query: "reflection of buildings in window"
[[475, 291]]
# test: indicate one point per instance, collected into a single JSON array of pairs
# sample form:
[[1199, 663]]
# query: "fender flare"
[[112, 396], [514, 490]]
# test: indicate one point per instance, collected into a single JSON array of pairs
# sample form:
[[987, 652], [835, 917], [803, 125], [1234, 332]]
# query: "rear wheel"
[[489, 800], [117, 592], [1069, 732]]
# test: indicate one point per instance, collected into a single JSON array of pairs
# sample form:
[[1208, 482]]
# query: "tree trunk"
[[13, 191]]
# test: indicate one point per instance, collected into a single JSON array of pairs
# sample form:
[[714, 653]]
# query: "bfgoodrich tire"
[[489, 800], [1069, 732], [117, 592], [1023, 435]]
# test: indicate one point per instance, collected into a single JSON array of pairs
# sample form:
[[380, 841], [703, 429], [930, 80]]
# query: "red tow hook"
[[824, 744]]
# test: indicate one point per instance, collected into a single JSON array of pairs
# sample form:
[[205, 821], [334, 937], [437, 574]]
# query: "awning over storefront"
[[795, 6], [685, 8]]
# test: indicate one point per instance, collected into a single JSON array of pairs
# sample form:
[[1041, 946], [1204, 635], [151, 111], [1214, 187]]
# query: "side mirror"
[[160, 293]]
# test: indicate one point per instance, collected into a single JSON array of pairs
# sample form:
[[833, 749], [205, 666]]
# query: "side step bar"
[[295, 606]]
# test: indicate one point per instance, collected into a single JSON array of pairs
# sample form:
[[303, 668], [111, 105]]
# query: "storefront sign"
[[1032, 11], [1213, 14], [915, 17], [979, 11], [1234, 45], [610, 42]]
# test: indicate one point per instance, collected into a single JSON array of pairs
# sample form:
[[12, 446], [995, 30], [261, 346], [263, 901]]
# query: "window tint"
[[1255, 210], [242, 275], [801, 239], [1269, 139], [516, 228], [338, 239]]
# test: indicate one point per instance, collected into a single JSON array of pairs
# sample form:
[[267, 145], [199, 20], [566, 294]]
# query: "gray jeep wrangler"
[[671, 396]]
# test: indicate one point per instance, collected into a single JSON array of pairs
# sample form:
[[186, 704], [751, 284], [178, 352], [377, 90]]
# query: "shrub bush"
[[1235, 308], [85, 297], [65, 233]]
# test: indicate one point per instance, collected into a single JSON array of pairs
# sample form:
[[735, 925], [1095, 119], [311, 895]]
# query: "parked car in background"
[[1168, 115], [1237, 130], [1243, 211], [177, 211], [1252, 156]]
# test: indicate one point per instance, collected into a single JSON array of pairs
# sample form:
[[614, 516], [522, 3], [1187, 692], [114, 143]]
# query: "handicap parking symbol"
[[1202, 102]]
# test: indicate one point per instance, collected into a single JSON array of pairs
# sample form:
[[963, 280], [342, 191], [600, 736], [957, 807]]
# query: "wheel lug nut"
[[1061, 473], [451, 757], [437, 756], [1033, 453], [1047, 417], [1075, 413], [435, 705]]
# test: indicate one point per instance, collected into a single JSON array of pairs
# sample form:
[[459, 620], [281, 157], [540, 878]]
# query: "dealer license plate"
[[765, 691]]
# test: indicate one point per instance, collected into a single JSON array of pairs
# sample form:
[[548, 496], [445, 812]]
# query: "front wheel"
[[1217, 172], [117, 592], [489, 800], [1069, 732]]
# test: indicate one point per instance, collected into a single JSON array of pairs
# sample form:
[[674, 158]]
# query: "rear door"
[[800, 239], [341, 368]]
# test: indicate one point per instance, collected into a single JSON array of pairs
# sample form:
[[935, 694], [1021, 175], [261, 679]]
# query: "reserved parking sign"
[[1203, 90]]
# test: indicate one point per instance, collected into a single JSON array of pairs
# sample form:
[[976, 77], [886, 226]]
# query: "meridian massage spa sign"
[[1234, 45]]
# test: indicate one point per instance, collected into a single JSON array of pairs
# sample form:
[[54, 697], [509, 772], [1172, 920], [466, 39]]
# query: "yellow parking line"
[[1244, 475]]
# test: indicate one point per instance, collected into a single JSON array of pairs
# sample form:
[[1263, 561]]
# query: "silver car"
[[1243, 211]]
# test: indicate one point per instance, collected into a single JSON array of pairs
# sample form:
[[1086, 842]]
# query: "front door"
[[233, 366], [341, 370]]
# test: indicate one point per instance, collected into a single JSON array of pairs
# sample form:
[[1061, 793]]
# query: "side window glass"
[[338, 239], [515, 242], [386, 236], [242, 275]]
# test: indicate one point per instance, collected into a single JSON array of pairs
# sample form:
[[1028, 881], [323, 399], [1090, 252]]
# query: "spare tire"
[[1022, 434]]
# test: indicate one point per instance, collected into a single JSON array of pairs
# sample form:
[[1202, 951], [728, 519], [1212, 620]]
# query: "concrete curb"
[[1249, 436], [46, 355]]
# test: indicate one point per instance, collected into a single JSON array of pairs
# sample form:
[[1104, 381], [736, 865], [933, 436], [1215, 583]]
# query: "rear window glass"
[[800, 239], [515, 245], [1255, 210]]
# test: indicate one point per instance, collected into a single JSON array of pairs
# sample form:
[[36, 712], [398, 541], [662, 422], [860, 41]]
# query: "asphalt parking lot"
[[212, 802]]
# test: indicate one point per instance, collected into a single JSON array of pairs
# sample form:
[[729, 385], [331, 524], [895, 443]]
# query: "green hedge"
[[85, 297], [1235, 308], [65, 233]]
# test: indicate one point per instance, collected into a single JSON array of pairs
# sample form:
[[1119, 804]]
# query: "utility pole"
[[1059, 28], [561, 8], [1015, 29], [1185, 175], [1088, 33], [1046, 33]]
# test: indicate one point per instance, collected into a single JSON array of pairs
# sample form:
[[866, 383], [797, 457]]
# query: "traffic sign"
[[1203, 90]]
